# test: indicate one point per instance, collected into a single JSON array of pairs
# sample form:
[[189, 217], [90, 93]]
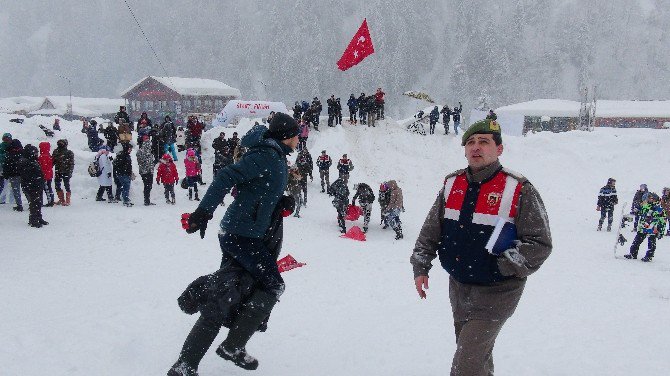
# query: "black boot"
[[43, 222], [252, 314], [182, 369], [398, 233]]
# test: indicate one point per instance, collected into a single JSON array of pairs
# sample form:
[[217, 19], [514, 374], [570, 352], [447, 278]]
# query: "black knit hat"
[[282, 127]]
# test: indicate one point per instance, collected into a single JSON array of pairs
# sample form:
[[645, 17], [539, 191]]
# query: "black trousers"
[[639, 238], [169, 191], [148, 180], [34, 206], [65, 179], [606, 212], [102, 190]]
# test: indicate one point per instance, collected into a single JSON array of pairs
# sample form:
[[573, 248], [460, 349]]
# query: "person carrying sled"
[[260, 177], [395, 205], [340, 193], [652, 224], [365, 197], [484, 288], [607, 199], [323, 163]]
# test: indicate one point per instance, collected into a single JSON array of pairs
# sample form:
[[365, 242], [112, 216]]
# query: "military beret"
[[481, 127]]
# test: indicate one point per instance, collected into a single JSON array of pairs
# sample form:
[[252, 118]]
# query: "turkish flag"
[[358, 49]]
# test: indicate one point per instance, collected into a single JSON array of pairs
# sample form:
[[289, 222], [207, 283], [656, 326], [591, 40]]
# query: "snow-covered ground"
[[94, 293]]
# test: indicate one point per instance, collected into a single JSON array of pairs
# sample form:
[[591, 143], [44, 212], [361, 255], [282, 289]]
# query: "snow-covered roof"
[[543, 107], [87, 107], [192, 86], [650, 109], [18, 104]]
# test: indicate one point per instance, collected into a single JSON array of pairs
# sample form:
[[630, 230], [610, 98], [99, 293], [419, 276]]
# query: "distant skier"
[[607, 199], [637, 203], [365, 197], [652, 224], [340, 193], [324, 162], [434, 117]]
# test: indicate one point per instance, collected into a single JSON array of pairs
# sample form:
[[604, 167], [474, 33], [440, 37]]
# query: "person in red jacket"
[[47, 165], [379, 103], [167, 173]]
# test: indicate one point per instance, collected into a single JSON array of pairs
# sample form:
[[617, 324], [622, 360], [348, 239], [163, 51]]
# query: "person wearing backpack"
[[47, 165], [104, 167], [168, 175]]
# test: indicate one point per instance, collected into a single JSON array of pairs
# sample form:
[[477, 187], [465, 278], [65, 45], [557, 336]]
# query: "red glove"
[[184, 220]]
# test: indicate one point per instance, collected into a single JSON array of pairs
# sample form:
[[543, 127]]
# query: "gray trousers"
[[474, 347]]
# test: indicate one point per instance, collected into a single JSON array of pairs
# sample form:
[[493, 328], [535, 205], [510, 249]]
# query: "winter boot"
[[252, 314], [43, 222], [18, 208], [182, 369], [35, 224], [50, 201], [67, 199], [630, 257], [600, 227], [398, 233], [61, 198], [646, 259], [196, 196], [190, 194], [609, 228]]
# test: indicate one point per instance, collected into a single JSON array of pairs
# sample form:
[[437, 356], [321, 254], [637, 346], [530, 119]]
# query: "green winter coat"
[[652, 219]]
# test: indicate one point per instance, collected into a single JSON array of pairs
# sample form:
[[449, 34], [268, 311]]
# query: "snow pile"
[[100, 282]]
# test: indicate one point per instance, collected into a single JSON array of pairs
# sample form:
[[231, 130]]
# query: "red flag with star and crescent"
[[358, 49]]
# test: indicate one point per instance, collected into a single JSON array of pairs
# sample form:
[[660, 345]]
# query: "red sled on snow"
[[287, 263], [353, 212], [354, 233]]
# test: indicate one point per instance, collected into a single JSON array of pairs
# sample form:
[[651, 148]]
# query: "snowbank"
[[95, 291]]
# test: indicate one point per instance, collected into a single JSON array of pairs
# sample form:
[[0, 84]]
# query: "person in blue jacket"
[[352, 103], [260, 178]]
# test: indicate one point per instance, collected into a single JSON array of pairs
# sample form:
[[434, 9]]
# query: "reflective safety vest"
[[471, 211]]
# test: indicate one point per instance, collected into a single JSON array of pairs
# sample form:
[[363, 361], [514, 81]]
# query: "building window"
[[164, 105], [208, 103], [187, 103], [149, 105], [198, 103]]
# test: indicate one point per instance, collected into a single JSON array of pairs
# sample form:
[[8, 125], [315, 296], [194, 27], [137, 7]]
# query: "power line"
[[146, 38]]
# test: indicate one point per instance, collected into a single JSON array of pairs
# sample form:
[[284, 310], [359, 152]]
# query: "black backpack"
[[94, 169]]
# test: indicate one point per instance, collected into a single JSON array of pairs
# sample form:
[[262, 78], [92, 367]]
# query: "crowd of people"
[[649, 213], [365, 109]]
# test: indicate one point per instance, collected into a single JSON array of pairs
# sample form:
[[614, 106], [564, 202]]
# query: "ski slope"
[[94, 293]]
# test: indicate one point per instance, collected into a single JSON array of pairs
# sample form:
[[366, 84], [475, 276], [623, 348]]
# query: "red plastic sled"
[[354, 233], [287, 263], [353, 212]]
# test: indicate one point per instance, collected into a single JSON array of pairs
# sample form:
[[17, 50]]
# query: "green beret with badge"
[[485, 126]]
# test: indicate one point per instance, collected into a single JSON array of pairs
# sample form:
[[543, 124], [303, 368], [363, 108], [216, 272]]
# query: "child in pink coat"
[[192, 171]]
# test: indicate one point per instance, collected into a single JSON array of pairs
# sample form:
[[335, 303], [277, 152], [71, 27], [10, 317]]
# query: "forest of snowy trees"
[[507, 50]]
